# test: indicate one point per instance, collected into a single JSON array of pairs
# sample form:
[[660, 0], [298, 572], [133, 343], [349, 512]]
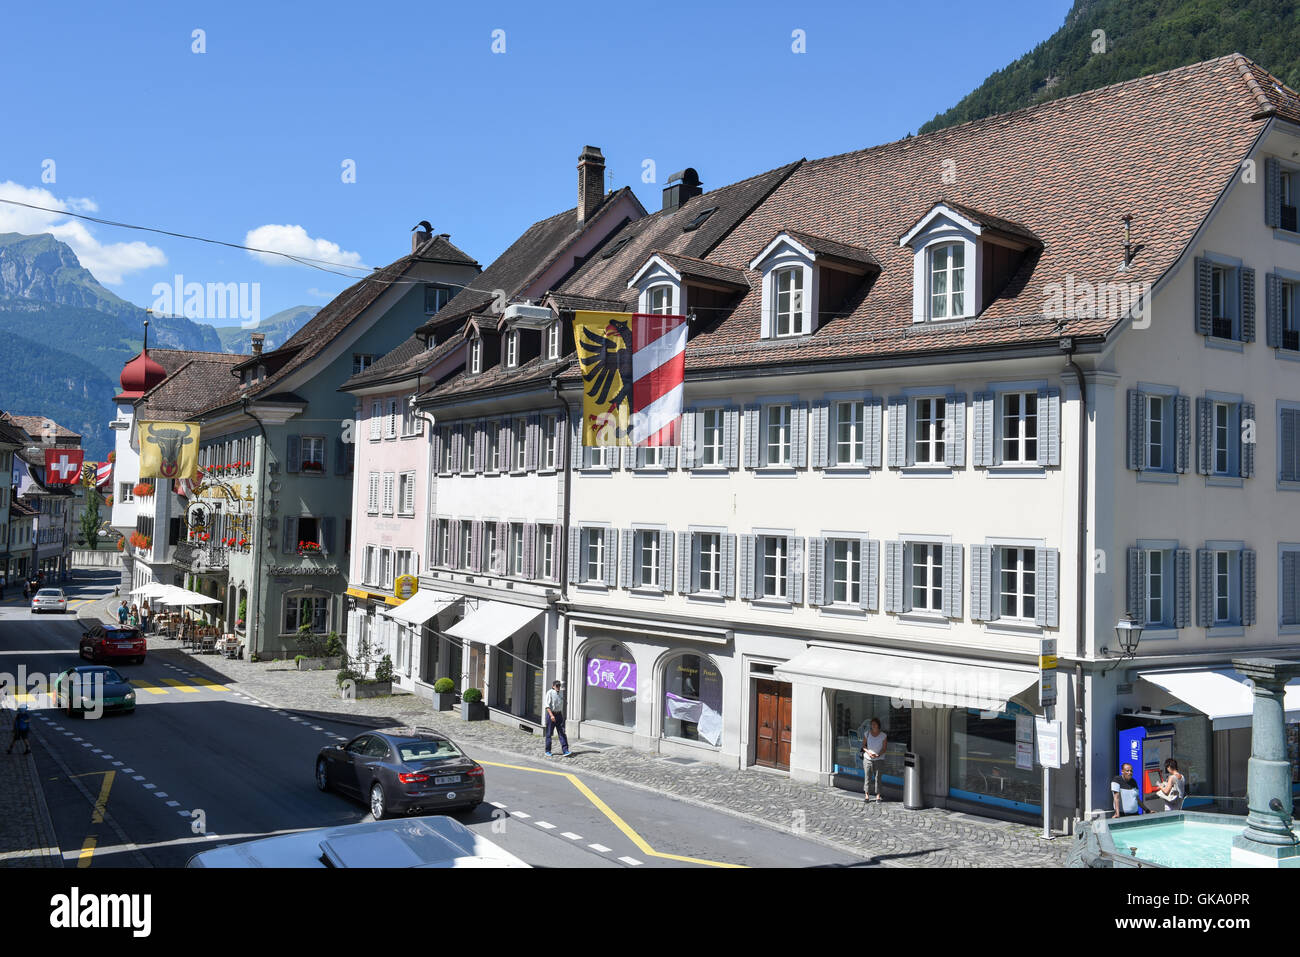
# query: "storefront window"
[[693, 700], [503, 677], [984, 764], [851, 715], [610, 676], [533, 679]]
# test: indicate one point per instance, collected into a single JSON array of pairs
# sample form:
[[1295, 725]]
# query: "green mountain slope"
[[277, 329], [1141, 37], [42, 380]]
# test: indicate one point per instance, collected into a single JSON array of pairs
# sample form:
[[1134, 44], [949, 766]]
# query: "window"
[[388, 493], [313, 453], [550, 435], [373, 503], [1226, 592], [646, 570], [928, 419], [404, 563], [1289, 586], [708, 562], [787, 305], [519, 434], [610, 695], [448, 463], [652, 457], [947, 281], [1225, 293], [1020, 427], [711, 438], [593, 554], [492, 444], [776, 432], [311, 610], [412, 424], [846, 571], [604, 456], [773, 581], [1223, 448], [125, 493], [390, 426], [512, 348], [849, 431], [1222, 588], [435, 297], [466, 543], [376, 420], [476, 356], [444, 542], [516, 550], [1156, 432], [1159, 593], [1288, 467], [406, 493], [361, 362], [553, 336], [385, 568], [1016, 583], [493, 562], [693, 699], [926, 566], [546, 552], [472, 463], [659, 300]]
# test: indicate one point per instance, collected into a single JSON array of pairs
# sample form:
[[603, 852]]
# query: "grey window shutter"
[[479, 437], [729, 566], [1289, 468], [1248, 581], [751, 436], [875, 414], [690, 436], [561, 440], [816, 562], [981, 585], [611, 557], [1136, 591], [666, 561], [982, 439], [1137, 430], [1204, 297], [1046, 587], [799, 435], [532, 442], [1290, 588], [1182, 587], [869, 572], [685, 581], [731, 438], [952, 562], [1049, 427], [575, 554], [954, 432], [820, 414], [1247, 448], [1247, 304], [530, 548], [746, 566], [293, 453], [894, 577], [477, 562], [576, 448], [1204, 588], [290, 535], [437, 440], [898, 451], [1272, 192], [670, 457], [1273, 310], [463, 437], [454, 560], [1183, 432], [639, 456], [630, 456], [327, 535], [625, 559], [1204, 436], [794, 572]]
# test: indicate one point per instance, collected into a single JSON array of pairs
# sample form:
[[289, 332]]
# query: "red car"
[[102, 642]]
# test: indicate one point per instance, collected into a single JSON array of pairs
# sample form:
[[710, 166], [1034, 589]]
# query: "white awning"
[[493, 622], [919, 682], [1222, 695], [420, 607]]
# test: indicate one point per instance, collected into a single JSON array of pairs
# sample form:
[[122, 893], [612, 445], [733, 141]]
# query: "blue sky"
[[251, 135]]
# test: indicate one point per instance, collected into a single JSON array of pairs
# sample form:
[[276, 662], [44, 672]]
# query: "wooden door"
[[772, 720]]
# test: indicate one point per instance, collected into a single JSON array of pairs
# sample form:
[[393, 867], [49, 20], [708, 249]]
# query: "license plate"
[[453, 779], [125, 645]]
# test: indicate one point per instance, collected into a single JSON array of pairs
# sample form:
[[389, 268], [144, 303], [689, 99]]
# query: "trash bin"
[[912, 781]]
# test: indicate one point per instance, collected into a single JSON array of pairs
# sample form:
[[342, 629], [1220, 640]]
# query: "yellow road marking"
[[102, 801], [146, 686], [204, 682], [180, 685], [87, 852], [617, 821]]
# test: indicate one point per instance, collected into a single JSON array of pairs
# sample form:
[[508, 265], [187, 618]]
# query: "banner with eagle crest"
[[633, 369]]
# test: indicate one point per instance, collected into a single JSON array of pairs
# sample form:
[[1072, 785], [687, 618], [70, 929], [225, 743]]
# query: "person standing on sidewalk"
[[22, 725], [555, 718], [874, 745]]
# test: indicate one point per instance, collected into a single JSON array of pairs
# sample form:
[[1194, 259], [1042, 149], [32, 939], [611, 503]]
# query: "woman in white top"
[[874, 745], [1173, 788]]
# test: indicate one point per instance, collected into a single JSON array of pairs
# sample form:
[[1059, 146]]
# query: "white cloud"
[[320, 293], [109, 262], [294, 241]]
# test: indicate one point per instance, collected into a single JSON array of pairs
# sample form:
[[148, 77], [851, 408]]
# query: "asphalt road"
[[201, 764]]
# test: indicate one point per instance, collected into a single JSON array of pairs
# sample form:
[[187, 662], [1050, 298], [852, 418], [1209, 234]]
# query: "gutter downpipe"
[[1080, 588], [432, 472], [562, 638], [260, 533]]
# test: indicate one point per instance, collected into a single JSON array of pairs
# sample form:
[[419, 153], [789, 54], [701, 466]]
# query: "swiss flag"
[[63, 466]]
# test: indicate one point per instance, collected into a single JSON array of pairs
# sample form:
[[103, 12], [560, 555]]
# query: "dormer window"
[[659, 287], [947, 281], [553, 334], [475, 356], [788, 318], [512, 348]]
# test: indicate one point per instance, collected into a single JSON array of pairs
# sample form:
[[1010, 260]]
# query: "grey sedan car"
[[49, 599], [402, 770]]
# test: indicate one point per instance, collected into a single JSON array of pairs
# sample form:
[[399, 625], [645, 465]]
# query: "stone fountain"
[[1268, 840]]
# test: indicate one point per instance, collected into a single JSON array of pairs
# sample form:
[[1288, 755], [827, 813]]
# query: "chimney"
[[681, 187], [421, 233], [591, 181], [258, 339]]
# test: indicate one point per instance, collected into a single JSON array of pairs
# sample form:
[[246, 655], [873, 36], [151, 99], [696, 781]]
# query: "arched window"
[[610, 677], [533, 692], [693, 699]]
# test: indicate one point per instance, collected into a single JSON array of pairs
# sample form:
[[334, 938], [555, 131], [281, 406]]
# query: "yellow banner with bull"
[[169, 450]]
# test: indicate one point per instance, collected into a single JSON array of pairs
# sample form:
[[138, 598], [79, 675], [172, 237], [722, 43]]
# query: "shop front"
[[504, 656]]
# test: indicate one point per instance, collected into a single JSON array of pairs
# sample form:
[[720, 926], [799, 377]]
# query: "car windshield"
[[49, 593], [428, 749], [107, 675]]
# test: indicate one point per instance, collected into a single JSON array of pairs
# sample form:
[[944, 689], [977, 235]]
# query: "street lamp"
[[1128, 633]]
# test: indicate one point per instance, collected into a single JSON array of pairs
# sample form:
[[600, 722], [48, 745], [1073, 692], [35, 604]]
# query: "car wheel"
[[378, 806], [473, 805], [322, 774]]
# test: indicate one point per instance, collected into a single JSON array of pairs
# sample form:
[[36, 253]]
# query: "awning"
[[1222, 695], [919, 682], [421, 606], [493, 622]]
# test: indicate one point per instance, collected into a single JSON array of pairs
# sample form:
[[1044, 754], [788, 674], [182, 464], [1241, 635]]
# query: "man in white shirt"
[[555, 718], [1126, 792]]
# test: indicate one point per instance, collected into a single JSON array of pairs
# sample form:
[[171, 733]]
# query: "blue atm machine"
[[1146, 749]]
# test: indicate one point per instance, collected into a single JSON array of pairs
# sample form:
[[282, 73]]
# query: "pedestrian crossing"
[[163, 687]]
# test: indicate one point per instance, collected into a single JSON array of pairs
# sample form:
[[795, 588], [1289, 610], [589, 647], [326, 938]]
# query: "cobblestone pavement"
[[26, 832], [883, 833]]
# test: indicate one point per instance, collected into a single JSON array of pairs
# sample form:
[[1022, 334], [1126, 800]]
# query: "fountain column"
[[1267, 840]]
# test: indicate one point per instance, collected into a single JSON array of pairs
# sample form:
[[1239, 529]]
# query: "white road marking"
[[599, 847], [129, 771], [74, 739], [149, 786], [571, 836], [315, 727], [117, 764], [630, 860], [181, 813], [97, 751], [520, 814], [176, 804], [497, 804], [160, 794], [545, 824]]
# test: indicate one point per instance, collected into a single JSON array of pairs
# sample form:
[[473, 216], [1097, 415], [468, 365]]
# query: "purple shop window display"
[[612, 675]]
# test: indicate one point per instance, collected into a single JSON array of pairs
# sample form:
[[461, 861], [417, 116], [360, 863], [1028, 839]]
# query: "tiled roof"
[[996, 223], [173, 359], [36, 426], [567, 301], [18, 508], [440, 249], [691, 268], [203, 382], [829, 247], [10, 434]]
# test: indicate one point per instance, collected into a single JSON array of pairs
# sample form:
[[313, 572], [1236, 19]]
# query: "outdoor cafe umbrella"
[[183, 597]]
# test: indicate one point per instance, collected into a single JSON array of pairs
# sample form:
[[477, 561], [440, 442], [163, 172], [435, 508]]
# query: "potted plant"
[[472, 707], [444, 694], [308, 548], [142, 489], [320, 652]]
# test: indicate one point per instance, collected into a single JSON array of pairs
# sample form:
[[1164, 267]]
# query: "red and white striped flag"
[[633, 367], [103, 474], [658, 374]]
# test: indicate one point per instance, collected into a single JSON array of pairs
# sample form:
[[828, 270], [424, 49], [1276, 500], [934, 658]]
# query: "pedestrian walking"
[[555, 717], [22, 725], [27, 590], [122, 612], [1173, 788], [146, 616], [874, 745]]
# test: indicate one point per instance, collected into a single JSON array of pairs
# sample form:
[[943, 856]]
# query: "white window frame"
[[386, 568], [660, 299], [706, 544], [1019, 438], [1226, 582], [795, 315], [857, 428], [594, 554], [489, 547], [554, 337], [515, 547], [444, 542], [785, 440], [950, 271], [475, 355], [512, 348], [931, 564], [1230, 434], [850, 564], [1019, 563], [646, 547], [406, 496], [466, 543], [550, 442], [368, 565], [712, 438], [376, 421], [519, 445], [936, 444], [773, 551], [361, 361], [545, 556], [1225, 296]]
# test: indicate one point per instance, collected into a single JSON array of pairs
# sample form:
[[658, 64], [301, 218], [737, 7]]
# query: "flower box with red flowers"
[[308, 548], [142, 489]]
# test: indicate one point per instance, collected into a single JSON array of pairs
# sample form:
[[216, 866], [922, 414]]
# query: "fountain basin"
[[1169, 839]]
